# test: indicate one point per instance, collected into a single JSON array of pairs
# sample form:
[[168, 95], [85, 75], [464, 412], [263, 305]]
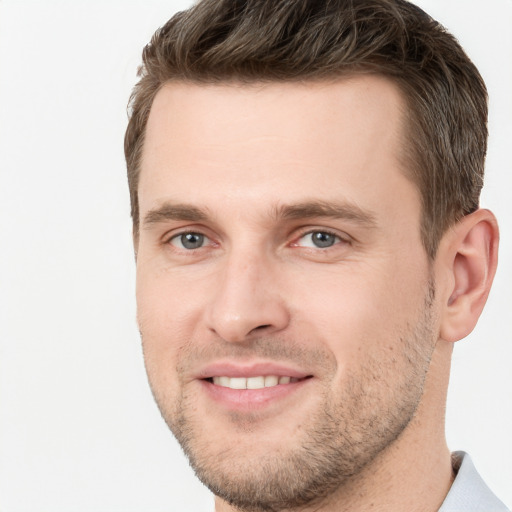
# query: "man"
[[304, 179]]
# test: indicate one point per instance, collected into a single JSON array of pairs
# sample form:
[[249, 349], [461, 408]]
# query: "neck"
[[414, 474]]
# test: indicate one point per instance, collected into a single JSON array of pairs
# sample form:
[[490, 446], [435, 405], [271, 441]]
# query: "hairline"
[[409, 156]]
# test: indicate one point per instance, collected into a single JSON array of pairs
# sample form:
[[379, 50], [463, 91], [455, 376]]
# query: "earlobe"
[[471, 254]]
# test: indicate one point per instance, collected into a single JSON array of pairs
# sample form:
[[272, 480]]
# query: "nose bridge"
[[246, 296]]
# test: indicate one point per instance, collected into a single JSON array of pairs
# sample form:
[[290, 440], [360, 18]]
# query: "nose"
[[247, 301]]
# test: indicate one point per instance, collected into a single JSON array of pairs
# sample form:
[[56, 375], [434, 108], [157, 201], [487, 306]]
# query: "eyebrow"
[[334, 210], [310, 209], [170, 211]]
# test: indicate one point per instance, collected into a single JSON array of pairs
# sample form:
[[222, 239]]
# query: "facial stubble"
[[343, 434]]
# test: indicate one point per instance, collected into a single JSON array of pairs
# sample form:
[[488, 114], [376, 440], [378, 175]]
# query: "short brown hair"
[[290, 40]]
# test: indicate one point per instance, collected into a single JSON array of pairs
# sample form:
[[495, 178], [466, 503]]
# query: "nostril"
[[260, 327]]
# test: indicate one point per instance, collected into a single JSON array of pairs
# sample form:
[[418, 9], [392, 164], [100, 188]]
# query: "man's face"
[[284, 296]]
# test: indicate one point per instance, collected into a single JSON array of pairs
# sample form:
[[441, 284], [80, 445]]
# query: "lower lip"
[[251, 399]]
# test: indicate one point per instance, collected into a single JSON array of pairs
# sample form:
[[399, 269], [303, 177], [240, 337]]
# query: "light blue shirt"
[[469, 493]]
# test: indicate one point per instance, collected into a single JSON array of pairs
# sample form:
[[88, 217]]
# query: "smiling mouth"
[[258, 382]]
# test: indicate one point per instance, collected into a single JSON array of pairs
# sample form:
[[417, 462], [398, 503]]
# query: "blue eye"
[[189, 241], [318, 240]]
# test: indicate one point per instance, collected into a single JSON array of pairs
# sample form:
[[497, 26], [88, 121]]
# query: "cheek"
[[166, 302], [167, 319], [359, 310], [381, 341]]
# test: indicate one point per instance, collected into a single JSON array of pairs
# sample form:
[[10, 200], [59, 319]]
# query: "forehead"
[[272, 142]]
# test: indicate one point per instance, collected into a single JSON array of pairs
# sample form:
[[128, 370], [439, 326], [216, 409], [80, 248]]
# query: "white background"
[[78, 428]]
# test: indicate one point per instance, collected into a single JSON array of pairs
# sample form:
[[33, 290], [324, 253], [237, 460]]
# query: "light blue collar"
[[469, 493]]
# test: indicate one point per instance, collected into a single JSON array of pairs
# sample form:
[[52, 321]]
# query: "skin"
[[369, 320]]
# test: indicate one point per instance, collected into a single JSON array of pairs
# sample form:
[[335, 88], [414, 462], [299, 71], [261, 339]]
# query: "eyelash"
[[176, 236], [340, 239]]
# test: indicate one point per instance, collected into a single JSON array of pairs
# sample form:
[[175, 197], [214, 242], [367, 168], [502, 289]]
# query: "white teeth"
[[238, 383], [271, 380], [222, 381], [252, 382], [255, 382]]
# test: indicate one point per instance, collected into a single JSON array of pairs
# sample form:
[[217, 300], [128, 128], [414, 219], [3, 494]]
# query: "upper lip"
[[235, 369]]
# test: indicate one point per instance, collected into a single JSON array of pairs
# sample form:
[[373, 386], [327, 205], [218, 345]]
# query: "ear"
[[469, 254]]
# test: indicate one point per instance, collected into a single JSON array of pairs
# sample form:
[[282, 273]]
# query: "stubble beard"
[[344, 434]]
